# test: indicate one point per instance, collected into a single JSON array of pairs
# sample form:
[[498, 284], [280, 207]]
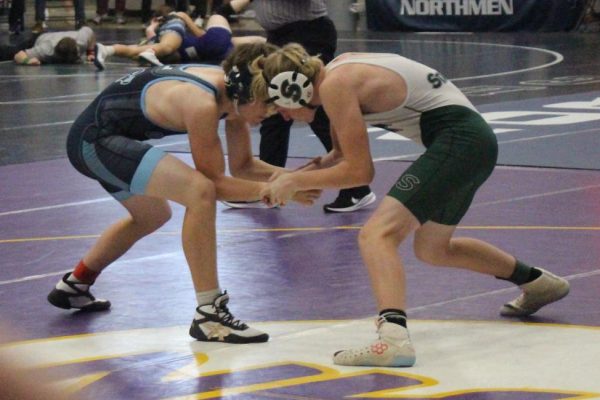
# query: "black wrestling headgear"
[[237, 84]]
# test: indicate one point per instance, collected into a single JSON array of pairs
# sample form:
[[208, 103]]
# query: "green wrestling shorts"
[[461, 154]]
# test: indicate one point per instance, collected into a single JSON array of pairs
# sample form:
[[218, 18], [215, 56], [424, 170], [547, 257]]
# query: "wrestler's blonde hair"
[[291, 57]]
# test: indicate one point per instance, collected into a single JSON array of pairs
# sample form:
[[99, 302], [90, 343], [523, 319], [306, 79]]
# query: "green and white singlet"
[[461, 147]]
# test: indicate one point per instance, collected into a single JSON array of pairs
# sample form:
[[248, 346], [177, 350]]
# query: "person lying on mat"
[[68, 47], [177, 39]]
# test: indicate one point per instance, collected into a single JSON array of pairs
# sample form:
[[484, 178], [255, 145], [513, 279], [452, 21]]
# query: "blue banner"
[[474, 15]]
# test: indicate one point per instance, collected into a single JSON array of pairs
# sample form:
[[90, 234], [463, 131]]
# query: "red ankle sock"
[[84, 274]]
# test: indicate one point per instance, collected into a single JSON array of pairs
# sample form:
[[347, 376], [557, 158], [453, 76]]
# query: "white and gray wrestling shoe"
[[247, 204], [150, 56], [392, 349], [214, 323], [69, 294], [101, 54], [546, 289]]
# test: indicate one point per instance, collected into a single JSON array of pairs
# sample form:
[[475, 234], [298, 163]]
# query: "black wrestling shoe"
[[70, 294], [214, 323], [346, 202]]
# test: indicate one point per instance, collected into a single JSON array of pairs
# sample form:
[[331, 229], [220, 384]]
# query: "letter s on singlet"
[[407, 182]]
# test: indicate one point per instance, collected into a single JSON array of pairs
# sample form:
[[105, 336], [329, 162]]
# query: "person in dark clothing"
[[16, 17], [40, 15], [304, 22]]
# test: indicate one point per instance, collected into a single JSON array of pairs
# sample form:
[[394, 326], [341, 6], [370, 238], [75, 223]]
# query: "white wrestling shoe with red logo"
[[392, 349]]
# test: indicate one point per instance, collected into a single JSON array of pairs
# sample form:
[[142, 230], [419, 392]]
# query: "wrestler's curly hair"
[[291, 57], [242, 58]]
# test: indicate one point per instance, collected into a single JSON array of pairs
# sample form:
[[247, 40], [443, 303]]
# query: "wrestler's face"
[[303, 114], [255, 112]]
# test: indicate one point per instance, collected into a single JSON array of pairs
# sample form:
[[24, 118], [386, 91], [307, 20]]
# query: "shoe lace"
[[228, 319], [225, 315], [81, 289]]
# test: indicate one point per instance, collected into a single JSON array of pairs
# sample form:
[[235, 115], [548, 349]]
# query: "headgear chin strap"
[[237, 84], [291, 89]]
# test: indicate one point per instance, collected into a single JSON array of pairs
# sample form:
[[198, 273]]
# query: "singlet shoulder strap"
[[178, 72]]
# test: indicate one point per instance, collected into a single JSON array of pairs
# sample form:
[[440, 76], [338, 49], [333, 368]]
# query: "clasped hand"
[[281, 189]]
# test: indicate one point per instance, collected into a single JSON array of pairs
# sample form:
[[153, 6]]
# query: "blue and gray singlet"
[[106, 142]]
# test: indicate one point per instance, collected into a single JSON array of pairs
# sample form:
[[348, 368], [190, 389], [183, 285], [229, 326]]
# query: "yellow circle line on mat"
[[311, 229]]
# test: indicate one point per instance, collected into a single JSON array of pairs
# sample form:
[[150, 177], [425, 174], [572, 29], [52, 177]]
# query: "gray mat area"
[[538, 91]]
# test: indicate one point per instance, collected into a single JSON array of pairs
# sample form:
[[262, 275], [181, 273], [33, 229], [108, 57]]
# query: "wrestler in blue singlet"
[[106, 142], [210, 48]]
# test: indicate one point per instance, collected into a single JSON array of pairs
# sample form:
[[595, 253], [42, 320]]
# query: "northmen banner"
[[474, 15]]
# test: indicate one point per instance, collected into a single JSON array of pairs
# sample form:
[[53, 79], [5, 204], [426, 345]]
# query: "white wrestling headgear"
[[291, 89]]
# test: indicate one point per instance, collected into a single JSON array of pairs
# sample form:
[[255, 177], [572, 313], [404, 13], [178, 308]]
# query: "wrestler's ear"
[[260, 62]]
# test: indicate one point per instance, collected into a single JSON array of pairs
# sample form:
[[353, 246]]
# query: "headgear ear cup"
[[237, 84], [290, 89]]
